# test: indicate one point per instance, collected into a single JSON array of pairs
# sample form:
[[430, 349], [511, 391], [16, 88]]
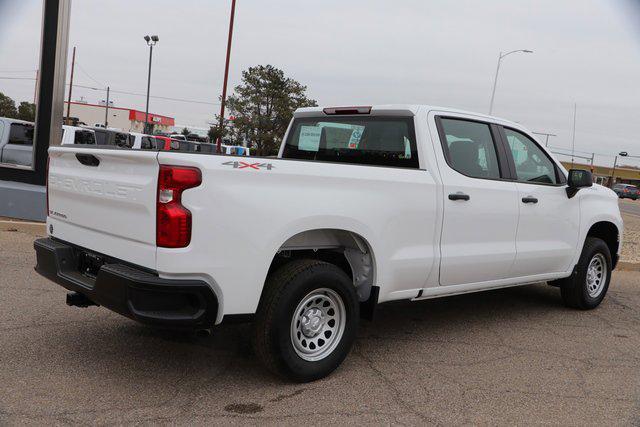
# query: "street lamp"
[[615, 163], [151, 42], [495, 81]]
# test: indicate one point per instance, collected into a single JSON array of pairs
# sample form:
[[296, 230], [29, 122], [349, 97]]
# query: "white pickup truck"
[[363, 205]]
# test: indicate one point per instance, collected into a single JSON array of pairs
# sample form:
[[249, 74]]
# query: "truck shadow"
[[127, 352]]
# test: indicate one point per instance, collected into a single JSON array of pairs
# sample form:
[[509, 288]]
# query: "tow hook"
[[76, 299]]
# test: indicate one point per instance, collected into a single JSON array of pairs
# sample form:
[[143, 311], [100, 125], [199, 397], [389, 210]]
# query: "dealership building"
[[126, 119]]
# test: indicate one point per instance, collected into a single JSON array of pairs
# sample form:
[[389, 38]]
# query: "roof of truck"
[[402, 108]]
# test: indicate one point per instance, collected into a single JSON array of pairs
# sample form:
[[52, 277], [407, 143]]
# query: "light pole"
[[151, 42], [495, 80], [615, 163]]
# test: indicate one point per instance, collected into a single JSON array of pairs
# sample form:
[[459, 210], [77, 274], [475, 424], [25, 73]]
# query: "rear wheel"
[[307, 320], [587, 286]]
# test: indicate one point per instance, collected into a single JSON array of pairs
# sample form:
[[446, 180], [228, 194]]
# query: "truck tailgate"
[[105, 200]]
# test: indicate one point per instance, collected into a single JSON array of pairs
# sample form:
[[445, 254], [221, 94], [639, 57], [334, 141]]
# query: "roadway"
[[631, 207], [505, 357]]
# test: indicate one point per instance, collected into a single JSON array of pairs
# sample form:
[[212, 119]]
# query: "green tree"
[[185, 131], [7, 107], [215, 133], [263, 105], [27, 111]]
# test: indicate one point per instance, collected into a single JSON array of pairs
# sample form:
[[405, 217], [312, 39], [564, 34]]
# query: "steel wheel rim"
[[317, 324], [596, 275]]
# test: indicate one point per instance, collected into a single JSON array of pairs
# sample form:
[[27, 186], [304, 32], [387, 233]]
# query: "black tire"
[[284, 291], [575, 289]]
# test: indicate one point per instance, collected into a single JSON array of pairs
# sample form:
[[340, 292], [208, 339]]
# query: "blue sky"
[[362, 52]]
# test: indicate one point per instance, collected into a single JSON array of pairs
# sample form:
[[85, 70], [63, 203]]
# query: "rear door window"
[[122, 140], [84, 137], [379, 141], [469, 148], [21, 134], [147, 143]]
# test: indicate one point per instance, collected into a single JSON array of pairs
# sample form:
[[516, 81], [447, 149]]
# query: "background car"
[[627, 191]]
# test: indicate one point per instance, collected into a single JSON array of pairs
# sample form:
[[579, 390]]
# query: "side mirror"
[[578, 179]]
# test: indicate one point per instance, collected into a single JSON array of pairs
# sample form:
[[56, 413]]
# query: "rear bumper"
[[133, 292]]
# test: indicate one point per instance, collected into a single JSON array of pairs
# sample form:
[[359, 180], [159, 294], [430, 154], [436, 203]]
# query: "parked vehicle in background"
[[16, 142], [178, 136], [627, 191], [111, 137], [142, 141], [197, 138], [364, 205], [78, 135], [164, 143]]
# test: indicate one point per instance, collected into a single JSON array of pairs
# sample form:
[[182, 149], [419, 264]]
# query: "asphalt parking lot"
[[630, 207], [513, 356]]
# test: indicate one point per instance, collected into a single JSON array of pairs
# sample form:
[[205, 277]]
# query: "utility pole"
[[226, 76], [106, 111], [73, 67], [573, 139], [615, 163], [35, 90]]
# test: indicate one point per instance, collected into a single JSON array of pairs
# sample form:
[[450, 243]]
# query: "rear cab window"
[[371, 140]]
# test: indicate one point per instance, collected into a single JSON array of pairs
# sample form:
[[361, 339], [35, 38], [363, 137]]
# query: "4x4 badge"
[[244, 165]]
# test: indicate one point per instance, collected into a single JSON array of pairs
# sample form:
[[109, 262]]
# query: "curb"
[[628, 266], [23, 226]]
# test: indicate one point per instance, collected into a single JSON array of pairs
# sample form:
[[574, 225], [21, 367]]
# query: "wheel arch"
[[608, 232], [347, 249]]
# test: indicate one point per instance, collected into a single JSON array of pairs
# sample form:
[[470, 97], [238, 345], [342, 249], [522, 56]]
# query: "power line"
[[167, 98], [16, 78], [89, 75], [18, 71]]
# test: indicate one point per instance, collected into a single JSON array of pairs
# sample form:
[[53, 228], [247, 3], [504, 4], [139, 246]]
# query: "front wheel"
[[307, 320], [586, 287]]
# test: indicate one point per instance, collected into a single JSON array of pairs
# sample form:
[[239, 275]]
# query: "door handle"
[[529, 199], [459, 196], [88, 159]]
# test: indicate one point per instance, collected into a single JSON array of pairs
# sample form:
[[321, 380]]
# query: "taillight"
[[173, 221]]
